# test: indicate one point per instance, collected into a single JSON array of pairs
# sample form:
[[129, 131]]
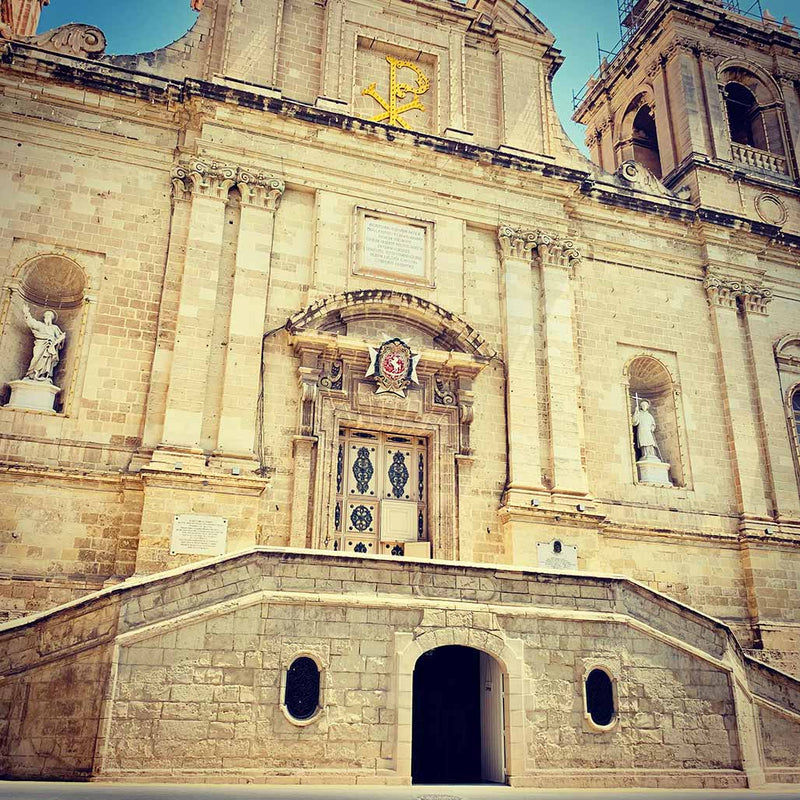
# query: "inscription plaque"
[[199, 535], [557, 555], [394, 247]]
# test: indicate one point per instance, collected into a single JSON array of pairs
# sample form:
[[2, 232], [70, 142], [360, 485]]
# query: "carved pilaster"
[[518, 242], [558, 252], [731, 293]]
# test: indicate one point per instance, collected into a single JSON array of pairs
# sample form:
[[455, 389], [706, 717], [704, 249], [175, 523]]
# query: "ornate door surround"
[[337, 396]]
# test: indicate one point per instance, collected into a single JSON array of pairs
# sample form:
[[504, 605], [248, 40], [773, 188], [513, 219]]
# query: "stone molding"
[[731, 293], [535, 245], [208, 178]]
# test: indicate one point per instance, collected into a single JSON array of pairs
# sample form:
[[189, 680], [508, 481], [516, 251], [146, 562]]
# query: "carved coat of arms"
[[393, 366]]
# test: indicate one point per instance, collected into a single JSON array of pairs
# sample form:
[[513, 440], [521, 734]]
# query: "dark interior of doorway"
[[446, 735]]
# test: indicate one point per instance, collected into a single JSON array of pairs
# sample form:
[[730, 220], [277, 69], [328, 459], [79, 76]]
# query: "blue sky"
[[135, 26]]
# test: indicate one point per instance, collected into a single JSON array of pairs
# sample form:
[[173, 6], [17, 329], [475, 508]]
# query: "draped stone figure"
[[48, 339], [650, 465], [644, 424]]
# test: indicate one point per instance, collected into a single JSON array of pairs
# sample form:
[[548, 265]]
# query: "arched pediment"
[[448, 331]]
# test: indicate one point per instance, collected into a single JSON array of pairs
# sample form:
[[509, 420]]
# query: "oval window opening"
[[302, 688], [599, 697]]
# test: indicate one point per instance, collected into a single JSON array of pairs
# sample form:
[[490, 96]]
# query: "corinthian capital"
[[207, 178], [260, 190], [537, 245], [732, 293]]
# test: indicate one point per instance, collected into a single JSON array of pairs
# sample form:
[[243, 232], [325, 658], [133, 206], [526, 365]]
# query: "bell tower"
[[705, 94]]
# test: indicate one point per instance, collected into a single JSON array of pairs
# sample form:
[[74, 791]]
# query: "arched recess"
[[638, 135], [787, 358], [510, 656], [648, 379], [44, 282], [755, 113], [339, 402]]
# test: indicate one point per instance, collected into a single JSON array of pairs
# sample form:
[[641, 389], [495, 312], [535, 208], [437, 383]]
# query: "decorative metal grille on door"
[[381, 492]]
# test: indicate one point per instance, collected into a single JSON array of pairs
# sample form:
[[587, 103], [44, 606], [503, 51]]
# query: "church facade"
[[355, 428]]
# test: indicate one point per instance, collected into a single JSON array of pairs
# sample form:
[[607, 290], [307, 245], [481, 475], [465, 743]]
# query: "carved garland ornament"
[[212, 179]]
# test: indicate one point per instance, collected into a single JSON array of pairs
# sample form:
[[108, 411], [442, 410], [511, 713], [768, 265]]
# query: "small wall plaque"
[[397, 248], [557, 555], [198, 534]]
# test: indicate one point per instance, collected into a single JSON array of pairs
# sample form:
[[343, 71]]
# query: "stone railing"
[[759, 159]]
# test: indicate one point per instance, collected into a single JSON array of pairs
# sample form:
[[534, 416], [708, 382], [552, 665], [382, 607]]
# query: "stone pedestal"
[[33, 395], [653, 471]]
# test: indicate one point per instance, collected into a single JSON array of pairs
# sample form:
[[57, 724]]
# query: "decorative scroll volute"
[[537, 245], [74, 39], [211, 179]]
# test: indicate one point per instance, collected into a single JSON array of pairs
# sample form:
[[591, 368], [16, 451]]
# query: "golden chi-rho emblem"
[[399, 91]]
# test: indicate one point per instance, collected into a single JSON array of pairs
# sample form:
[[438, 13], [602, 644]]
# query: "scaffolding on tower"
[[632, 13]]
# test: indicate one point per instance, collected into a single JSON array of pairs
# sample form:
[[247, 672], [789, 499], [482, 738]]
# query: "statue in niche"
[[48, 339], [644, 425]]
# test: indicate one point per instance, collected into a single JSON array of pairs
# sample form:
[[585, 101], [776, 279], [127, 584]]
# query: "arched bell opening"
[[645, 141], [744, 117]]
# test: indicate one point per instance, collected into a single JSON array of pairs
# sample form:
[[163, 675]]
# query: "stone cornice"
[[155, 90], [208, 178], [536, 245]]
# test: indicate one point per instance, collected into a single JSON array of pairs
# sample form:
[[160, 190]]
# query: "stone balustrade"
[[759, 159]]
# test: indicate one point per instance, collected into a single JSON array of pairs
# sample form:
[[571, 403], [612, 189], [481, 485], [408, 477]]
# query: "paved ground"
[[98, 791]]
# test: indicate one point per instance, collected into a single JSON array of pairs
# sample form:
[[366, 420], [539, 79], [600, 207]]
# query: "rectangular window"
[[381, 492]]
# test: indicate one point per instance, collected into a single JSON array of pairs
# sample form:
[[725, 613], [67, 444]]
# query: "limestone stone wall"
[[563, 274], [181, 675]]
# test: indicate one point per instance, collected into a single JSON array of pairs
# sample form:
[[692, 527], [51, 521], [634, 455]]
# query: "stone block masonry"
[[181, 676]]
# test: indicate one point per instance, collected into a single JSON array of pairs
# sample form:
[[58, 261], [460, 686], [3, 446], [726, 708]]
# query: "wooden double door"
[[381, 492]]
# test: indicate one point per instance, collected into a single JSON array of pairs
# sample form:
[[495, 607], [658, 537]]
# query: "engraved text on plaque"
[[199, 535]]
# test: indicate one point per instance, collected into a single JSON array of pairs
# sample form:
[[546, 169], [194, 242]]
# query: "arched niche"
[[647, 378], [638, 135], [45, 282]]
